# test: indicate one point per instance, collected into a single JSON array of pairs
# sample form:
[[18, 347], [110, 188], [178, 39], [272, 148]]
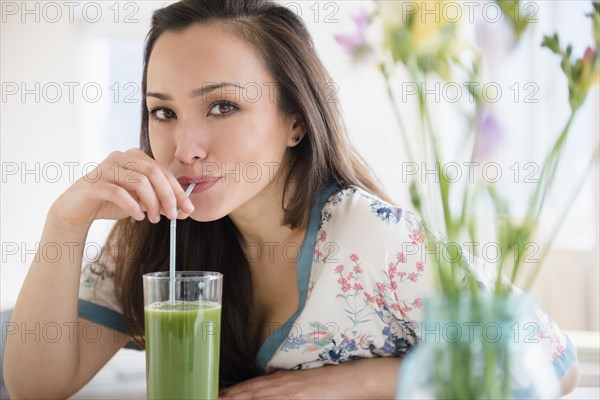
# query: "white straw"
[[172, 249]]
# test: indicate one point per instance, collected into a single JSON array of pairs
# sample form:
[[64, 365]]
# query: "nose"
[[191, 143]]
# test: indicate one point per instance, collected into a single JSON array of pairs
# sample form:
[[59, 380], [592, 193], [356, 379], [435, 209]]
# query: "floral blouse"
[[362, 278]]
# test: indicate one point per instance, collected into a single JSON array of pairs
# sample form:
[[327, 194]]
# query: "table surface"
[[124, 378], [138, 391]]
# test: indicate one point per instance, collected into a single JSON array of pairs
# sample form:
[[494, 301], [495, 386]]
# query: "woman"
[[236, 101]]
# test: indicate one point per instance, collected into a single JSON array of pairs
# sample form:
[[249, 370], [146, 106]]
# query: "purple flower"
[[355, 42], [488, 135]]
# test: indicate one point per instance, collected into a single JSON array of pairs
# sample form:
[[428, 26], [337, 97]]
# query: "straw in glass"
[[172, 249]]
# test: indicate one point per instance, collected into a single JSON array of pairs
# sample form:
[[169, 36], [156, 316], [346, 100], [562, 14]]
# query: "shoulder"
[[356, 224], [351, 208]]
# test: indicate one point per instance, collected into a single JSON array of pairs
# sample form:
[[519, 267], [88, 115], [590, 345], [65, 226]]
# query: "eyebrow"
[[204, 90]]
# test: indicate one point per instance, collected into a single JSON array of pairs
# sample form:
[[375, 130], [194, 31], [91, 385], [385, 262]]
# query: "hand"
[[359, 379], [125, 184]]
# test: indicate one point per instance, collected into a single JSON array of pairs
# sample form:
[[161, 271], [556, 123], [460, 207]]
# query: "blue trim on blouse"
[[303, 270], [101, 315], [106, 317], [566, 359]]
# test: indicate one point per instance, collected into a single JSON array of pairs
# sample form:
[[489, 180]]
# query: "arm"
[[51, 364], [569, 381], [373, 378], [46, 361]]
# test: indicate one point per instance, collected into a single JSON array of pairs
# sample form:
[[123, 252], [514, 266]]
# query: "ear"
[[297, 131]]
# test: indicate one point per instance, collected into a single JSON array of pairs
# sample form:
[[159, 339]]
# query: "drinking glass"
[[182, 319]]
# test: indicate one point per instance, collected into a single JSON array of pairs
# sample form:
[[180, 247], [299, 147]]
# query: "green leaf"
[[577, 68], [552, 43], [512, 11], [595, 15], [415, 198]]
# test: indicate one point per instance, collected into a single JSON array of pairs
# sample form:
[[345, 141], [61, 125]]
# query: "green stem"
[[443, 185], [465, 205], [489, 377], [442, 189], [568, 206], [537, 202], [396, 112], [503, 233], [552, 163], [472, 228]]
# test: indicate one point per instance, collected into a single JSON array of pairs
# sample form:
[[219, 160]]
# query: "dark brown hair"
[[324, 155]]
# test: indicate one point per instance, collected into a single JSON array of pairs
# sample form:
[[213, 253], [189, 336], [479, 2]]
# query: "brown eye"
[[222, 109], [160, 114]]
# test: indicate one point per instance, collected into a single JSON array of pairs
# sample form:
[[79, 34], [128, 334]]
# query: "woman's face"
[[214, 120]]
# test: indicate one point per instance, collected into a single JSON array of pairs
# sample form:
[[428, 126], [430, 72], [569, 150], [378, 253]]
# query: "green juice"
[[182, 350]]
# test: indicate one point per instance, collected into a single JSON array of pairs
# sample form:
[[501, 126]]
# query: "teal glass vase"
[[484, 348]]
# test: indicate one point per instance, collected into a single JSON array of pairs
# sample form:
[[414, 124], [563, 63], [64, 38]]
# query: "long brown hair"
[[324, 155]]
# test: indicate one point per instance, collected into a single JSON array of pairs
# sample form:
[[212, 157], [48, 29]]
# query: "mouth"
[[203, 182]]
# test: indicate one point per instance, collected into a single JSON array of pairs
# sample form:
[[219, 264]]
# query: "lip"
[[203, 182]]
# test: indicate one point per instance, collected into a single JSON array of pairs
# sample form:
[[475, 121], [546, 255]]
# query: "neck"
[[260, 221]]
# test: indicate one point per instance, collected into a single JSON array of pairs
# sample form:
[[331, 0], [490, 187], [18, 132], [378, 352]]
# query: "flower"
[[418, 302], [357, 286], [488, 135], [417, 236], [589, 69], [339, 268], [581, 73], [424, 31], [392, 15], [323, 236], [364, 341], [358, 269], [429, 28], [420, 40], [355, 43], [420, 266], [354, 257]]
